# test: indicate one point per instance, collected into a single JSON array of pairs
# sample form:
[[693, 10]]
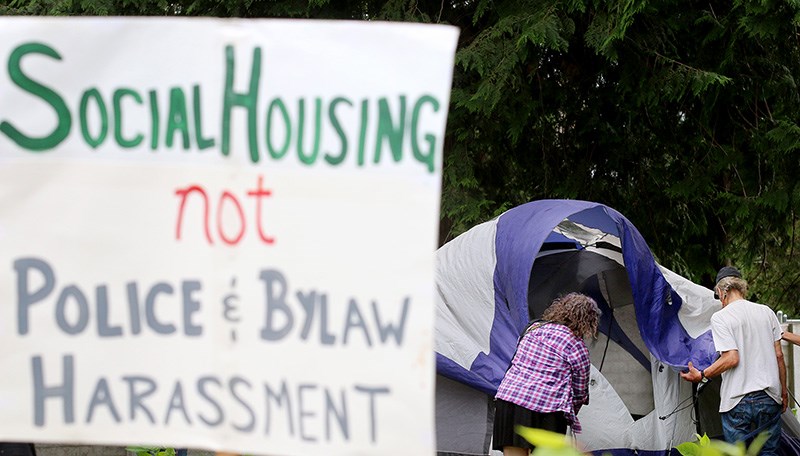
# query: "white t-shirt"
[[752, 329]]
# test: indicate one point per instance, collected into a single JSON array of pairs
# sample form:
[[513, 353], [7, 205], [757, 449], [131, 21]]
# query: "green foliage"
[[707, 447], [547, 443], [152, 451], [685, 117]]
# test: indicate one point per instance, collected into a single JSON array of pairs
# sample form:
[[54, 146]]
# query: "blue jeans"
[[754, 411]]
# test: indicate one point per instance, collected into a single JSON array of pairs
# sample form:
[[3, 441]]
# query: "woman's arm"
[[580, 366]]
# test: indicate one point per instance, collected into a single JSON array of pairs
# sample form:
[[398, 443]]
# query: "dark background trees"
[[682, 116]]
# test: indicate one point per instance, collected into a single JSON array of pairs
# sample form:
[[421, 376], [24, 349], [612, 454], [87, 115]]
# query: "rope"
[[758, 430], [608, 338]]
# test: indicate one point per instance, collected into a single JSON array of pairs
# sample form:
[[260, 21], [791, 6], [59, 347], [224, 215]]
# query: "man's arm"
[[791, 337], [782, 374], [728, 360]]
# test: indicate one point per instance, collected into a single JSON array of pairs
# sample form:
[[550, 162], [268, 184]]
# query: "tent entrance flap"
[[619, 351]]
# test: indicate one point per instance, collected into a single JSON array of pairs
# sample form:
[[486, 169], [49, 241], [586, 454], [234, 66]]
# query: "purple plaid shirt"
[[549, 373]]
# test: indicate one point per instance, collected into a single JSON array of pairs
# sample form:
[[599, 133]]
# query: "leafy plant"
[[548, 443], [152, 451], [705, 446]]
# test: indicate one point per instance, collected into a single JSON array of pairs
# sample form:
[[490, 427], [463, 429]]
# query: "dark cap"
[[727, 271]]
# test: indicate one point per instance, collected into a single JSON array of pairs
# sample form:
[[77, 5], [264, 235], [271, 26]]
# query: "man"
[[748, 337]]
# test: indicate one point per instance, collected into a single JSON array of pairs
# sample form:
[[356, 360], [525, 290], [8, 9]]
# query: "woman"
[[548, 380]]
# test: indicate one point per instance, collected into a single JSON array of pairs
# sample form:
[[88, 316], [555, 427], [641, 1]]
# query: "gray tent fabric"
[[463, 416], [637, 403]]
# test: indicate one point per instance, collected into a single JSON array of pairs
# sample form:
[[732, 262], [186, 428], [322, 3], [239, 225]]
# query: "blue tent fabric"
[[521, 231], [789, 445]]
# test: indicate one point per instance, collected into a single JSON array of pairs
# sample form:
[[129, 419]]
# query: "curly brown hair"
[[576, 311]]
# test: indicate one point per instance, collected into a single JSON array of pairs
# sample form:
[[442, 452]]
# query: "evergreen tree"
[[683, 117]]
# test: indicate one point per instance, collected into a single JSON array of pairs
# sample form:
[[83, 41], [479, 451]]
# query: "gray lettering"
[[276, 304], [190, 307], [232, 386], [372, 391], [25, 296], [325, 337], [103, 328], [83, 310], [150, 311], [389, 328], [279, 399], [176, 402], [355, 320], [137, 396], [201, 389], [65, 391], [133, 307], [307, 301], [304, 413], [340, 415], [102, 396]]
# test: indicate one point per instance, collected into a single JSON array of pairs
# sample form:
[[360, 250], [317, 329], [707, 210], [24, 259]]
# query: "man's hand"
[[785, 399], [692, 375]]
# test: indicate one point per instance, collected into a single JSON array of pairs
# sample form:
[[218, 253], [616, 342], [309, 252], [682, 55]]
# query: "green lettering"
[[61, 131], [123, 142], [387, 129], [427, 156], [278, 154], [202, 143], [154, 120], [93, 94], [177, 117], [362, 137], [248, 100], [339, 131], [309, 159]]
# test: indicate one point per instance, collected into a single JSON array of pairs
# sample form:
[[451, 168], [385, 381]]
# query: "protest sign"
[[219, 233]]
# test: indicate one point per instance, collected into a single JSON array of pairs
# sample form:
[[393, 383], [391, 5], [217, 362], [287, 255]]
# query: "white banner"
[[220, 233]]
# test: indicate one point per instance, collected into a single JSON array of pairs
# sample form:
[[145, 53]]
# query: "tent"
[[496, 277]]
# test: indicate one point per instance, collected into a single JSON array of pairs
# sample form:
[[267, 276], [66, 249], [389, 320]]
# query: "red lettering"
[[183, 193], [242, 223], [227, 199], [258, 194]]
